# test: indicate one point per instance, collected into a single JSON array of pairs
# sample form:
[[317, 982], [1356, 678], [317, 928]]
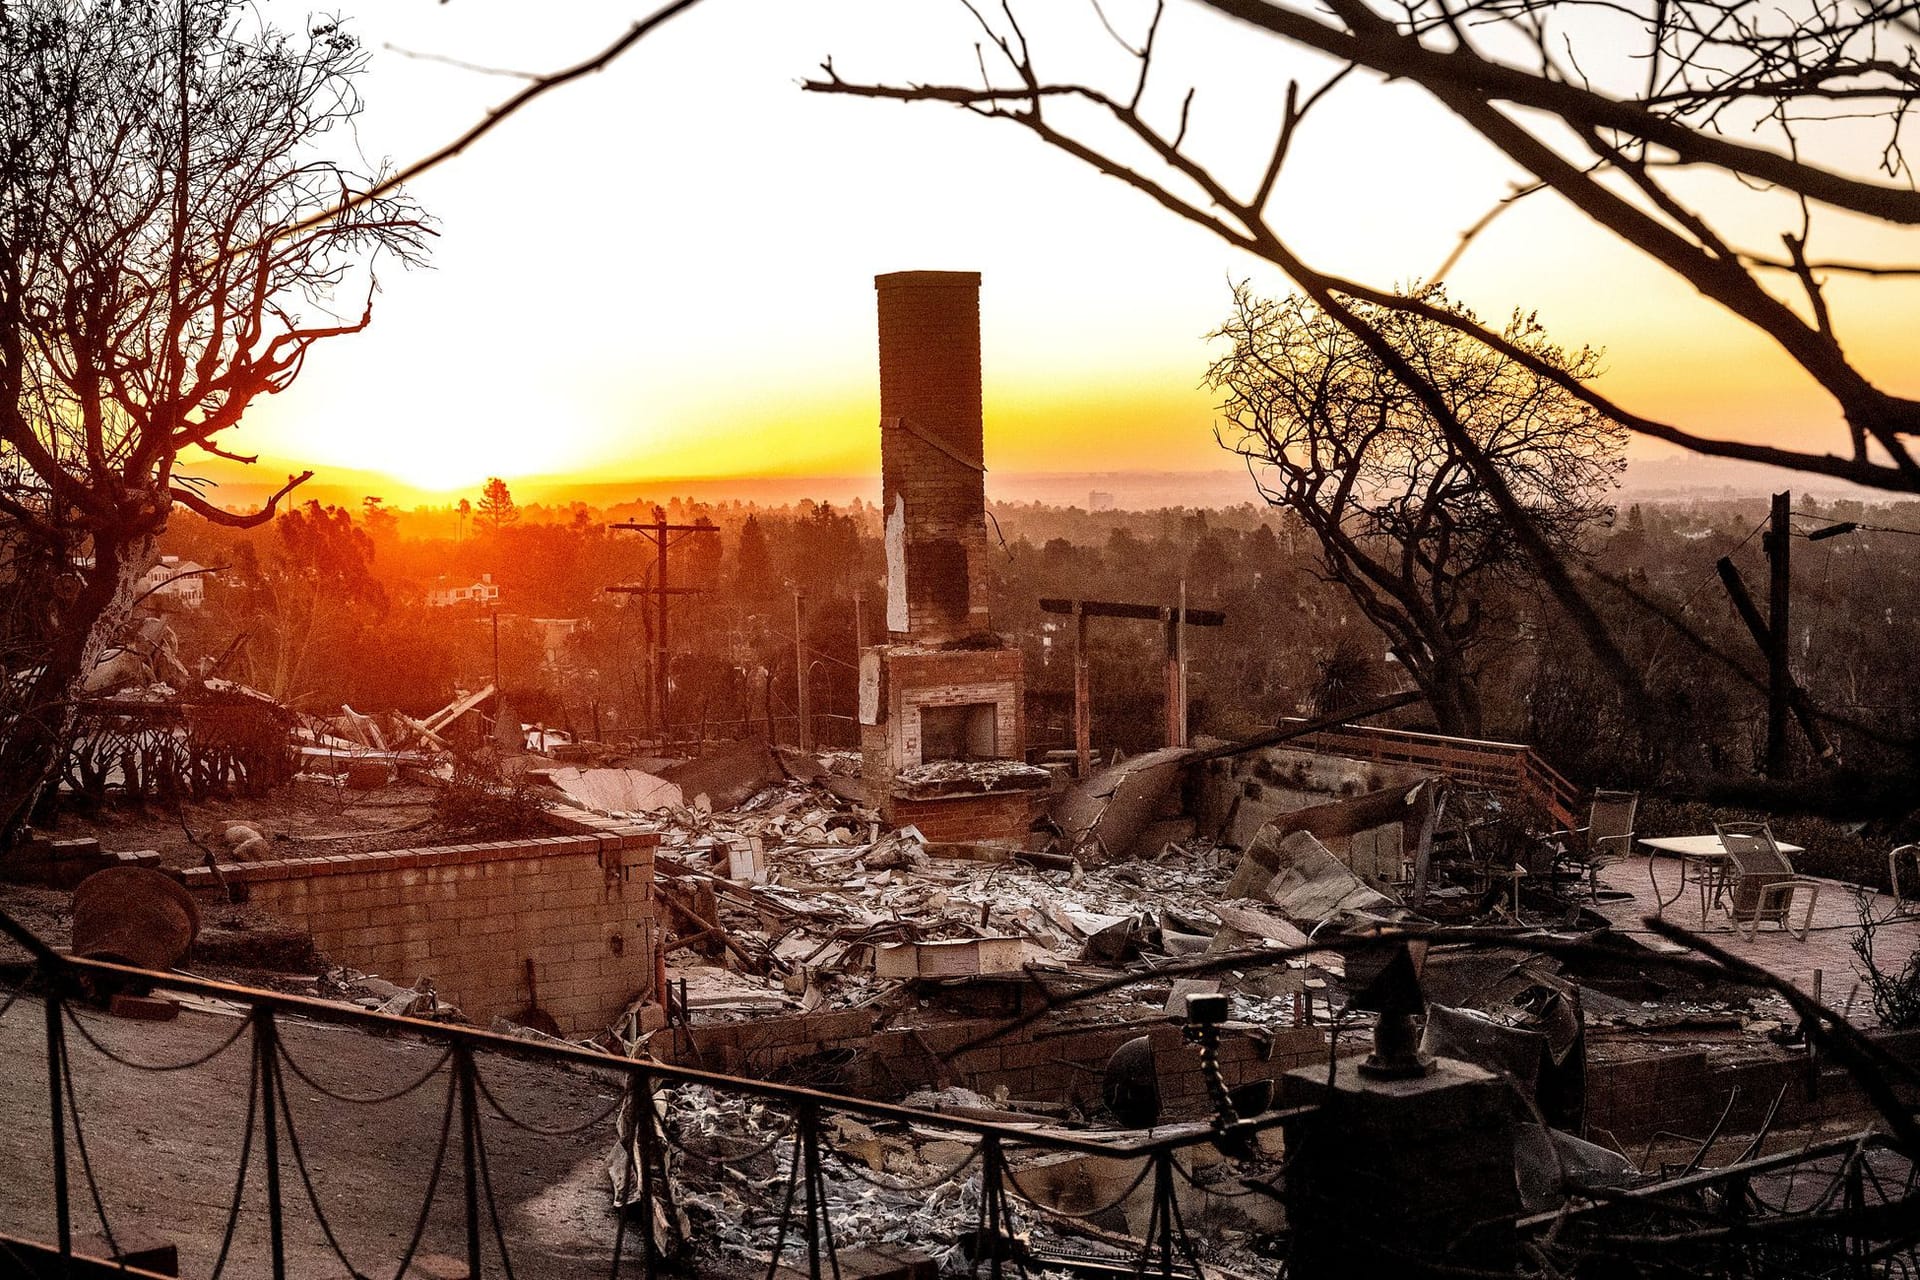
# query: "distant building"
[[176, 582], [1099, 500], [445, 594]]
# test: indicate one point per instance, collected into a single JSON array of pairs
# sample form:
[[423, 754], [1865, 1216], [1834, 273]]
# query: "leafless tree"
[[1601, 102], [161, 166], [1403, 523]]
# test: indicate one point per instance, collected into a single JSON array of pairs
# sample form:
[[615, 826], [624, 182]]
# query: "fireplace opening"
[[962, 732]]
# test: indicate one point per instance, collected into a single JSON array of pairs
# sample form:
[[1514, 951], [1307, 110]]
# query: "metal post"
[[1082, 711], [810, 1175], [993, 1190], [1163, 1209], [266, 1042], [641, 1109], [469, 1150], [56, 1072]]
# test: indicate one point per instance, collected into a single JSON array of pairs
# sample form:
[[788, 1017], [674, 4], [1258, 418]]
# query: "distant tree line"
[[332, 611]]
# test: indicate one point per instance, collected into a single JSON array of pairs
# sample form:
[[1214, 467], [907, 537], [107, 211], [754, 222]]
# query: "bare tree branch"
[[233, 519]]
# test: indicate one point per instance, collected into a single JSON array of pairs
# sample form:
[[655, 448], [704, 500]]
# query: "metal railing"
[[803, 1223]]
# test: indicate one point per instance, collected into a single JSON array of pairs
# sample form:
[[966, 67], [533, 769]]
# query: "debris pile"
[[732, 1158]]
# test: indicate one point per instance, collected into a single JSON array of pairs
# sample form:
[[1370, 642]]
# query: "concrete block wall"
[[1035, 1064], [1687, 1091], [471, 916], [931, 455]]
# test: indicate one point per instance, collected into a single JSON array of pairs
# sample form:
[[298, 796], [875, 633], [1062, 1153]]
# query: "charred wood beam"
[[1333, 720], [1144, 612]]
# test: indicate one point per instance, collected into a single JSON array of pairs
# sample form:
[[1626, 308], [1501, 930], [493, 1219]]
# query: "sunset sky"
[[666, 270]]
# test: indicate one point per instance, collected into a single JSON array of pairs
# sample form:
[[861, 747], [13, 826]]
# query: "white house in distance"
[[444, 594], [176, 582]]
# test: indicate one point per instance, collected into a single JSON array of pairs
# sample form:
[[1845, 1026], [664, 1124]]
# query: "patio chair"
[[1607, 835], [1903, 864], [1762, 880]]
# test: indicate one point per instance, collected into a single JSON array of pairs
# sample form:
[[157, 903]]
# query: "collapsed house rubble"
[[808, 941]]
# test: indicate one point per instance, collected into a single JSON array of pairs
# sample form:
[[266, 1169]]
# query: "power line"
[[1834, 528]]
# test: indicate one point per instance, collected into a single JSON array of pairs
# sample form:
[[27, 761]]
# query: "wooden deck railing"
[[1506, 768]]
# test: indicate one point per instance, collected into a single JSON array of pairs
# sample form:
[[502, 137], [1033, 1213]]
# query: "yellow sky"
[[667, 269]]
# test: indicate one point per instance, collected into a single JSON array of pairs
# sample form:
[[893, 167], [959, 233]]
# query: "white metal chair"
[[1763, 882]]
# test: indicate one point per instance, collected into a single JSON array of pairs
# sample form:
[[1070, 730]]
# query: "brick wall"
[[929, 328], [470, 916], [968, 819]]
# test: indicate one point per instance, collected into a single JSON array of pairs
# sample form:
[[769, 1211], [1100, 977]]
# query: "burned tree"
[[1332, 435], [177, 213]]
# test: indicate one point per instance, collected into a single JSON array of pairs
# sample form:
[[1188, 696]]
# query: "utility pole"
[[1784, 696], [800, 669], [1177, 672], [1779, 547], [656, 532], [1082, 697]]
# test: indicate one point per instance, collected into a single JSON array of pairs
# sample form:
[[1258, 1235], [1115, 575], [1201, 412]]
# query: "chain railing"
[[1850, 1207], [801, 1228]]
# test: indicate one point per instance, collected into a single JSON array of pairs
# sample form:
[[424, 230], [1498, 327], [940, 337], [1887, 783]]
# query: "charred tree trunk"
[[41, 732], [1451, 690]]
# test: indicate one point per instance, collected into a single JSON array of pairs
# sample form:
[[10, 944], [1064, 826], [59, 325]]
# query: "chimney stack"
[[933, 480]]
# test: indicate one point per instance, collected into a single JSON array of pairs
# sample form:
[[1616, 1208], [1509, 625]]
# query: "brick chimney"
[[933, 480]]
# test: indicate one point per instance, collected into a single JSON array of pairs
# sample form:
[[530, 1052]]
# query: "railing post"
[[469, 1150], [993, 1192], [1856, 1203], [1163, 1208], [266, 1048], [56, 1079], [640, 1108], [810, 1179]]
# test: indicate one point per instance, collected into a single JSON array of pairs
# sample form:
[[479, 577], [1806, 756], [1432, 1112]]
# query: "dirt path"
[[165, 1147]]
